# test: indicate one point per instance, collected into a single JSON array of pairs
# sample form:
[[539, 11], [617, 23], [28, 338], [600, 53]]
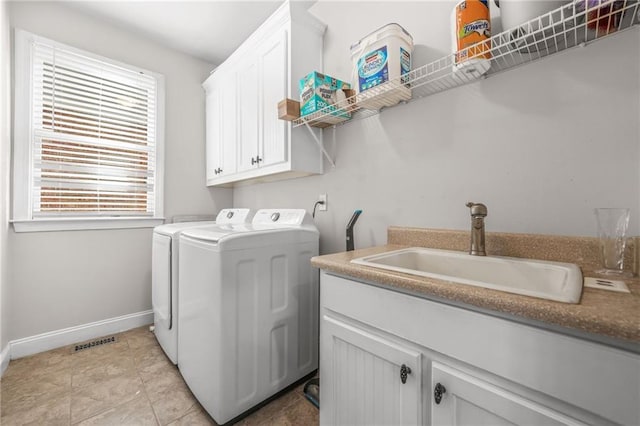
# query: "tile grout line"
[[144, 389], [70, 393], [192, 409], [71, 398], [112, 407]]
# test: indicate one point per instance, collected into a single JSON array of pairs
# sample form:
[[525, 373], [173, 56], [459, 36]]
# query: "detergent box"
[[318, 91], [382, 62]]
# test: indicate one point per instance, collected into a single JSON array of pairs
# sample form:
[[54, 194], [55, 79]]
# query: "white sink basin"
[[557, 281]]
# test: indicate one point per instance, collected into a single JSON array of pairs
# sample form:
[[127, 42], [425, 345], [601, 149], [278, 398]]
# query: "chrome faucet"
[[478, 213]]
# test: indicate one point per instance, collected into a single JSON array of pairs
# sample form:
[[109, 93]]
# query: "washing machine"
[[164, 275], [248, 309]]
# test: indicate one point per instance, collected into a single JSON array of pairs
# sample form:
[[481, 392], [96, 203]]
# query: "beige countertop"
[[604, 316]]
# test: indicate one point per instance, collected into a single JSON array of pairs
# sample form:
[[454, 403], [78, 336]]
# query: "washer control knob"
[[229, 215], [275, 217]]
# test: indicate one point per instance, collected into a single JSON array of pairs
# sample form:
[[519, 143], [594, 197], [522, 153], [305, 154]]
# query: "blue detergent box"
[[318, 91]]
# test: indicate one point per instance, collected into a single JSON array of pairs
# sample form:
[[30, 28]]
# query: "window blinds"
[[93, 136]]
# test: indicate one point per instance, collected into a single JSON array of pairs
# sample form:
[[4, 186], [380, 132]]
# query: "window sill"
[[81, 224]]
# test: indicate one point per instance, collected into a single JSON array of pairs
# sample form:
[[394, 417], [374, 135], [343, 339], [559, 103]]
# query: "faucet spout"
[[478, 213]]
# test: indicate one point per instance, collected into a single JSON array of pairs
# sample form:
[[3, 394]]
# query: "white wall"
[[5, 154], [64, 279], [541, 145]]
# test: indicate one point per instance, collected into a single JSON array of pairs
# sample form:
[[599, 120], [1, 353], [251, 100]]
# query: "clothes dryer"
[[248, 309], [164, 275]]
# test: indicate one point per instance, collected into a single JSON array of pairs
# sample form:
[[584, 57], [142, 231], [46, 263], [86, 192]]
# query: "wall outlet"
[[323, 207]]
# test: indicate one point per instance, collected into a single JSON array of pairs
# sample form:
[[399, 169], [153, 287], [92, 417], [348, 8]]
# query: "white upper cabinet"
[[213, 130], [273, 84], [244, 121], [221, 128], [248, 115], [228, 112]]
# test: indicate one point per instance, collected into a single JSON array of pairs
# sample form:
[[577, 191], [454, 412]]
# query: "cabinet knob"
[[438, 391], [404, 372], [253, 161], [258, 159]]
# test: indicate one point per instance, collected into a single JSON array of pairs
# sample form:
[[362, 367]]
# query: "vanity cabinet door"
[[368, 380], [458, 398]]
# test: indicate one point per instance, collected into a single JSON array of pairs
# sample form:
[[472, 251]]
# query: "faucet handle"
[[477, 209]]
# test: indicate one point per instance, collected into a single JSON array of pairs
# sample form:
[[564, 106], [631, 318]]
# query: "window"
[[88, 140]]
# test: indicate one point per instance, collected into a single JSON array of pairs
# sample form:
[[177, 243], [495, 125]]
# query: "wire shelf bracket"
[[320, 144]]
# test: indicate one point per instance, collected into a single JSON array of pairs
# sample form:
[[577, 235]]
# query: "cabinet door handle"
[[404, 372], [219, 170], [253, 161], [438, 391], [258, 159]]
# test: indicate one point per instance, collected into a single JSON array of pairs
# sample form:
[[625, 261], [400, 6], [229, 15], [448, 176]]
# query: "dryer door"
[[161, 281]]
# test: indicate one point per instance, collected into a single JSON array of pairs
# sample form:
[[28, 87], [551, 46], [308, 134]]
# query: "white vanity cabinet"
[[488, 370], [468, 399], [264, 70], [365, 373]]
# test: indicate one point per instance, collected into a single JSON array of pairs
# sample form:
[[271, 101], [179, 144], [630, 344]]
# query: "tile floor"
[[129, 382]]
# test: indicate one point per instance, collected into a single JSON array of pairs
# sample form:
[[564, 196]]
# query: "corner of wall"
[[5, 155], [5, 357]]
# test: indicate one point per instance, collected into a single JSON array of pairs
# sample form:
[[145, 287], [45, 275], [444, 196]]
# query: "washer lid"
[[215, 233], [267, 225], [172, 229]]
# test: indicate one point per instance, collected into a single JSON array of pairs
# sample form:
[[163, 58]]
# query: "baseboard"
[[5, 356], [67, 336]]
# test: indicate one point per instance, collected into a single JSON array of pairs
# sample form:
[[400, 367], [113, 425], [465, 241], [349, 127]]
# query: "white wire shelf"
[[575, 24]]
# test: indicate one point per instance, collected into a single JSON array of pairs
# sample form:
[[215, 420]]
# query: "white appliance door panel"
[[308, 298], [274, 327], [240, 311], [164, 293], [161, 280], [199, 312]]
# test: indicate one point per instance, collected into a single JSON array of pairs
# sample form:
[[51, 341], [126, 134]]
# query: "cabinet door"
[[274, 77], [469, 400], [213, 131], [362, 384], [229, 128], [248, 114]]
